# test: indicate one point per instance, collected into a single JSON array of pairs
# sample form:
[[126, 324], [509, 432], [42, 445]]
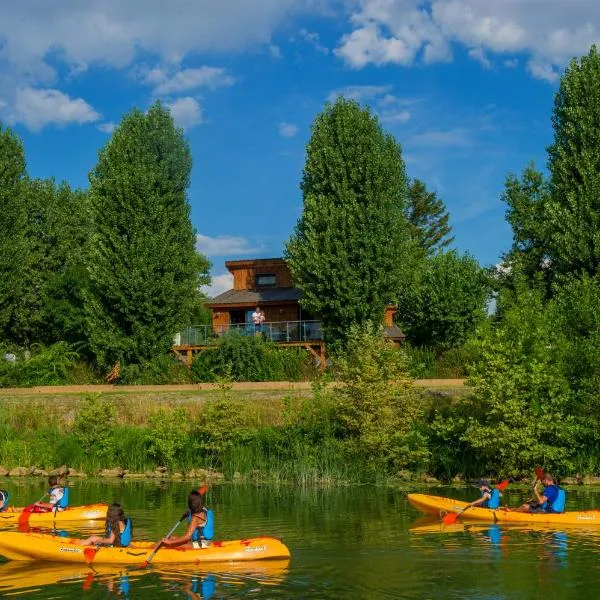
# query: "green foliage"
[[221, 424], [13, 219], [376, 408], [45, 366], [251, 358], [143, 267], [443, 308], [168, 434], [573, 209], [432, 363], [158, 371], [428, 218], [94, 426], [349, 250]]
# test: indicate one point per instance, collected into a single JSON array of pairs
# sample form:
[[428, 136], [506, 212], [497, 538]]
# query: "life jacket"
[[126, 534], [64, 501], [494, 500], [558, 506], [208, 531], [4, 496]]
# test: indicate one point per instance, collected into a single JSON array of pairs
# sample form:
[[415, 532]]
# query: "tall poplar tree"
[[573, 209], [428, 217], [142, 263], [13, 220], [349, 249]]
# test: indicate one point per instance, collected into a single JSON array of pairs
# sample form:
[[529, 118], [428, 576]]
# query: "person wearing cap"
[[490, 497]]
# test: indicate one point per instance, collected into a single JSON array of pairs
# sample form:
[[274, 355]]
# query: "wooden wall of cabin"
[[281, 313], [220, 320], [245, 278]]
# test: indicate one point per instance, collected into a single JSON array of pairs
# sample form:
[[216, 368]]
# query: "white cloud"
[[478, 54], [227, 245], [450, 137], [287, 129], [186, 112], [312, 38], [219, 284], [36, 108], [168, 81], [406, 32], [360, 93], [108, 127]]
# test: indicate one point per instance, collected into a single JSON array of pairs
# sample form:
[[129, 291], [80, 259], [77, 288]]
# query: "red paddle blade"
[[503, 485], [449, 519], [539, 473], [89, 553], [203, 490]]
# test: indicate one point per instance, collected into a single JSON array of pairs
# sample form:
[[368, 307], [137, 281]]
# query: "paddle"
[[451, 518], [24, 516], [185, 515], [539, 475]]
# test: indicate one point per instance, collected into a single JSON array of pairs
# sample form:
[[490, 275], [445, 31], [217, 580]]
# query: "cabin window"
[[266, 280]]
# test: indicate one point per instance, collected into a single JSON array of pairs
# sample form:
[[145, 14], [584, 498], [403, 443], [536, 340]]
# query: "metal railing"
[[276, 331]]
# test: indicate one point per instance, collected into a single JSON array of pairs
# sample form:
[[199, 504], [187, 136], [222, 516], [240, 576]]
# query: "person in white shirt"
[[258, 318], [56, 493]]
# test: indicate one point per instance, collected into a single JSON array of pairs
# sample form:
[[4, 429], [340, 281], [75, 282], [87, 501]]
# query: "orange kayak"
[[440, 506], [39, 546], [14, 515]]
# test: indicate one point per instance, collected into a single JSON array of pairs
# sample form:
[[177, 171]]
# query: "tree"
[[13, 249], [348, 251], [143, 267], [446, 304], [573, 209], [428, 218]]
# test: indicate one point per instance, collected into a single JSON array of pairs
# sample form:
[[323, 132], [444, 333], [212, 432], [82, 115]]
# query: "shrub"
[[167, 435], [94, 425], [158, 371]]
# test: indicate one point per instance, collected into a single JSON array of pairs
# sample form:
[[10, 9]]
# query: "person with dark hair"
[[550, 500], [490, 496], [118, 529], [200, 530], [59, 497]]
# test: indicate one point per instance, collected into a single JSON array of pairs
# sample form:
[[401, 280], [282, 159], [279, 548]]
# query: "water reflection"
[[195, 582]]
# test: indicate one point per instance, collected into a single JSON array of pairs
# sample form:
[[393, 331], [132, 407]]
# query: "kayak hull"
[[14, 515], [38, 546], [440, 506]]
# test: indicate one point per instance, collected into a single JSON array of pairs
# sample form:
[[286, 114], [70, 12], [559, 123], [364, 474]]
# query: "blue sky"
[[466, 86]]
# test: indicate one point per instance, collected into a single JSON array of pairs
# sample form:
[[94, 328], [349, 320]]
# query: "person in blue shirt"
[[545, 500]]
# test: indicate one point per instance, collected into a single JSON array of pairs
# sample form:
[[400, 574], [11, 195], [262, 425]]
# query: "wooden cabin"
[[266, 283]]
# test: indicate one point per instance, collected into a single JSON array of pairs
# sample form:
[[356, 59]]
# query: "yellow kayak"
[[440, 506], [38, 546], [26, 575], [14, 515]]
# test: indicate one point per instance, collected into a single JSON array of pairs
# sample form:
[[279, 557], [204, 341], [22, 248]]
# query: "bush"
[[94, 426], [167, 435], [158, 371], [47, 365]]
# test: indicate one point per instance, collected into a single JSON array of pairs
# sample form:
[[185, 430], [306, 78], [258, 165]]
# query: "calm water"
[[361, 542]]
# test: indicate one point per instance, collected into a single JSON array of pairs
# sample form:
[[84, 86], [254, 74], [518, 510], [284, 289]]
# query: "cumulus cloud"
[[406, 32], [219, 284], [450, 137], [167, 81], [287, 129], [226, 245], [36, 108], [108, 127], [186, 112]]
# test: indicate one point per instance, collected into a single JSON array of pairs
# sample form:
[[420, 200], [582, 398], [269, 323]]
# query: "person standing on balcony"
[[258, 318]]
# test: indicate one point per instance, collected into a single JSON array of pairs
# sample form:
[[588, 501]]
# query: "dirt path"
[[199, 387]]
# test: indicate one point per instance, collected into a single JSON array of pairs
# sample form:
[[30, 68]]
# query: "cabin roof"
[[394, 332], [260, 296]]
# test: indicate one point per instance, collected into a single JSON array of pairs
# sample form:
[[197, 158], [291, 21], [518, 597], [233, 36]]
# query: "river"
[[351, 542]]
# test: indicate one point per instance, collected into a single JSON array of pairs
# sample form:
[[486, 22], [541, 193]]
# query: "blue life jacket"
[[494, 501], [126, 534], [4, 496], [64, 501], [558, 506], [208, 531]]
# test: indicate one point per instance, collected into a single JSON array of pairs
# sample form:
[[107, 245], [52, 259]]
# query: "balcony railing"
[[276, 331]]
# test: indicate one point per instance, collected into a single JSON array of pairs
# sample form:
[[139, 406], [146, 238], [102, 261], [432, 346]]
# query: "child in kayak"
[[118, 530], [59, 497], [3, 500], [201, 526], [490, 497]]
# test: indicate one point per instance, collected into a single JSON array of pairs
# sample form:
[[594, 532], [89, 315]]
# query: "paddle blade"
[[503, 485], [450, 519], [539, 473], [89, 553]]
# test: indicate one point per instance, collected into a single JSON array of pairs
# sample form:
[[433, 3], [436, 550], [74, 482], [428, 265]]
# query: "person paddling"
[[200, 530], [4, 495], [118, 530], [551, 500], [59, 497], [490, 496]]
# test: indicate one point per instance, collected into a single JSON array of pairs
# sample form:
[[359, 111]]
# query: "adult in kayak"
[[551, 500], [490, 497]]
